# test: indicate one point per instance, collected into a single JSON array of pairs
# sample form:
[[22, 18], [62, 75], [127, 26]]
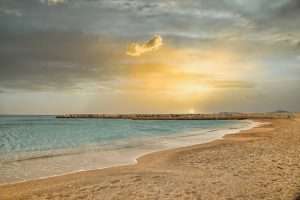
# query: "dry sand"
[[262, 163]]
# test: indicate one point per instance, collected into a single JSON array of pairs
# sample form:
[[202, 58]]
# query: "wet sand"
[[261, 163]]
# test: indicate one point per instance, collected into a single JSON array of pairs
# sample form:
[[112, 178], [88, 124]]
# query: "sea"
[[36, 147]]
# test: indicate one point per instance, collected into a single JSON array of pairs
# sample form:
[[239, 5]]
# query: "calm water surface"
[[39, 146]]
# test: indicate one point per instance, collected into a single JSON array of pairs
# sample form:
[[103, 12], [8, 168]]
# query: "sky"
[[149, 56]]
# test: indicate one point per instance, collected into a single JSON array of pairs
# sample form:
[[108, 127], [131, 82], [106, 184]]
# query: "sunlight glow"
[[191, 111]]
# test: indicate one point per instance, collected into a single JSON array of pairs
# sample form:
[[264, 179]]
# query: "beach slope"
[[261, 163]]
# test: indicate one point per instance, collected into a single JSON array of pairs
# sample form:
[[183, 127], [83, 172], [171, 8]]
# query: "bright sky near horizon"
[[139, 56]]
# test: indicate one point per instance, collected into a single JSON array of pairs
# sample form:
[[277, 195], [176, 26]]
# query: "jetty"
[[214, 116]]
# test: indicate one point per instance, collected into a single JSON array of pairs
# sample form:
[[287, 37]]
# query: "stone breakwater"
[[217, 116]]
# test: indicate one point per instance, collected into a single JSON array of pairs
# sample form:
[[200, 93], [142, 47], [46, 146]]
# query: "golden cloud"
[[136, 49]]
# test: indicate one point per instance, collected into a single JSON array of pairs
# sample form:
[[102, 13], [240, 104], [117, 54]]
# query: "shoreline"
[[161, 162], [133, 160]]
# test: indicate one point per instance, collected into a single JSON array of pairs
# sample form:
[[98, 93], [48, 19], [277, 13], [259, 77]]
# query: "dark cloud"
[[56, 60], [291, 8], [142, 18]]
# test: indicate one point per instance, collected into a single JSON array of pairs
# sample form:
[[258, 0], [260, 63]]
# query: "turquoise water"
[[37, 143]]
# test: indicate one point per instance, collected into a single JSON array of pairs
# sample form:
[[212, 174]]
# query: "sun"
[[191, 111]]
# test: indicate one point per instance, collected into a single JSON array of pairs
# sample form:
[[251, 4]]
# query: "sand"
[[261, 163]]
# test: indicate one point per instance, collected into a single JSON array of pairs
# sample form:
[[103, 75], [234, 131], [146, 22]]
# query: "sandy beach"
[[261, 163]]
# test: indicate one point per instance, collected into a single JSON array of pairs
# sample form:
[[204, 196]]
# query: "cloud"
[[56, 60], [232, 84], [53, 2], [136, 49], [14, 12], [290, 8]]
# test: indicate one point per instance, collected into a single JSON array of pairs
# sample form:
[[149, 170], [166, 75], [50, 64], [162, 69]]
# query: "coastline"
[[174, 161], [130, 156]]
